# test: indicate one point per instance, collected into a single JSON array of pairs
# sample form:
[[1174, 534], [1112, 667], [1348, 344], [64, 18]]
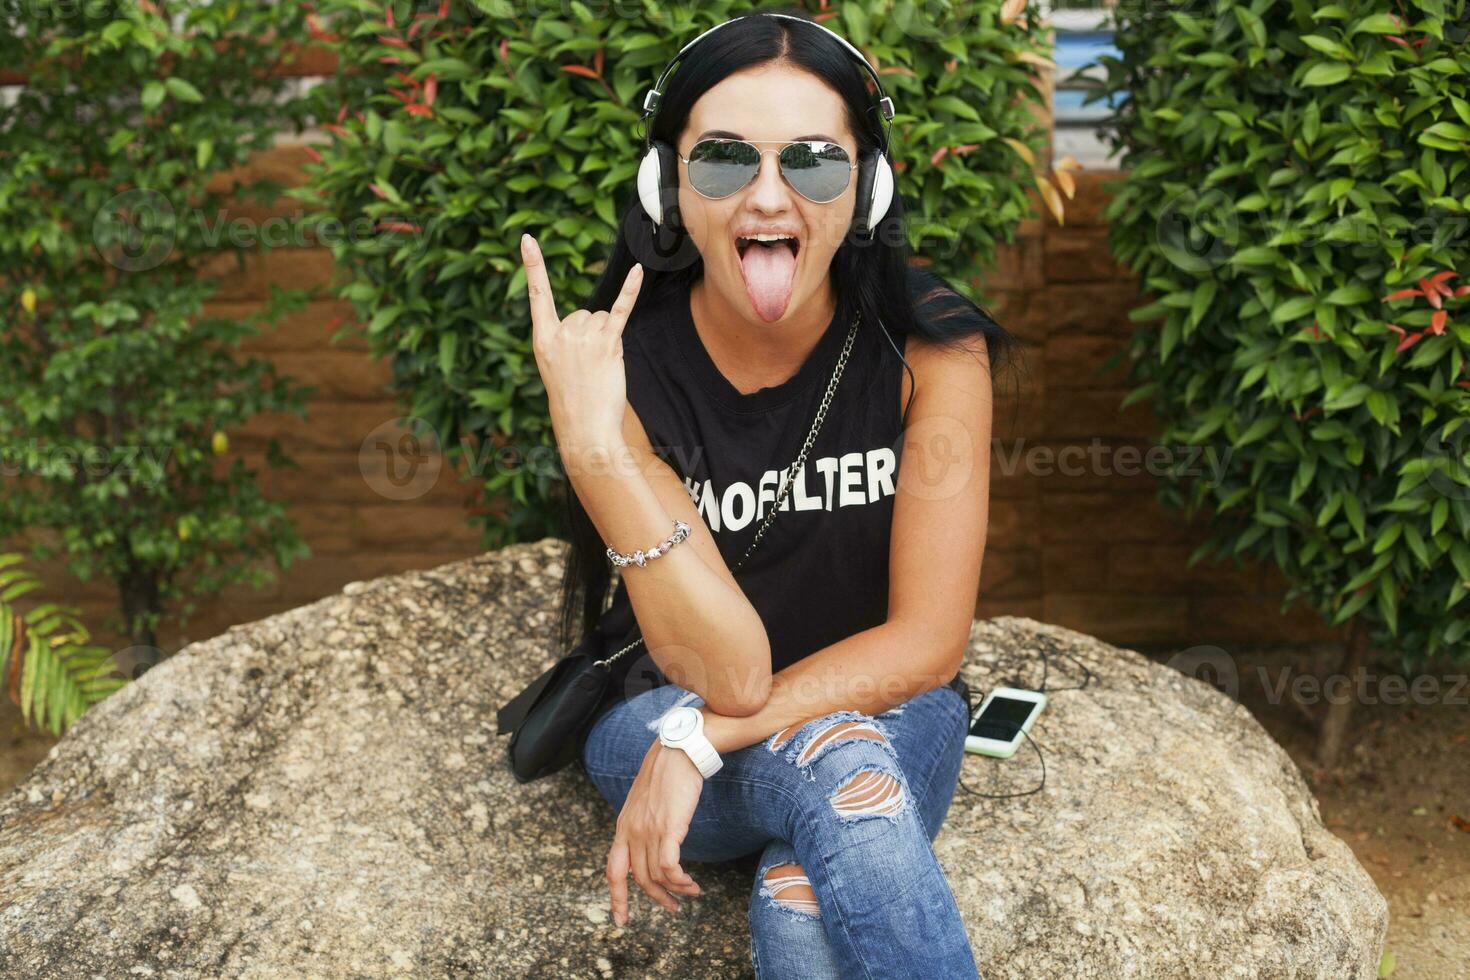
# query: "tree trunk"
[[139, 594], [1335, 721]]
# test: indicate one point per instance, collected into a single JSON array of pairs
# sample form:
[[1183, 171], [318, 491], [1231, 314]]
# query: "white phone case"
[[995, 747]]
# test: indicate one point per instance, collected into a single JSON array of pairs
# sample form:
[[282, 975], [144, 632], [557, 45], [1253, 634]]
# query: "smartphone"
[[1006, 712]]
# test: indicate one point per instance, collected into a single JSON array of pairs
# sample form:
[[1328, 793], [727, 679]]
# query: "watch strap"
[[702, 752]]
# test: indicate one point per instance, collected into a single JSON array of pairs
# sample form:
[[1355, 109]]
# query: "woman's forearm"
[[870, 671], [703, 635]]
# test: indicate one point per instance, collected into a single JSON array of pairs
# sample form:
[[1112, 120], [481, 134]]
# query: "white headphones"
[[658, 173]]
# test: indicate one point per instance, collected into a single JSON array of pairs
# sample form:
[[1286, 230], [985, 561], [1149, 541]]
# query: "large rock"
[[322, 793]]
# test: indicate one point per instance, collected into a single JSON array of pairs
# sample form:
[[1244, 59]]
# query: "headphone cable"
[[1043, 643]]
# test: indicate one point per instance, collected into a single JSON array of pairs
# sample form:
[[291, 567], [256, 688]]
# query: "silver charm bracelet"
[[640, 558]]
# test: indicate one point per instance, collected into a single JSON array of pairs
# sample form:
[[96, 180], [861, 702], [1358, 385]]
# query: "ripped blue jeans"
[[843, 809]]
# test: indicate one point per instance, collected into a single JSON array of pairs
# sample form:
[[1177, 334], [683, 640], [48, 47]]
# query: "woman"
[[825, 678]]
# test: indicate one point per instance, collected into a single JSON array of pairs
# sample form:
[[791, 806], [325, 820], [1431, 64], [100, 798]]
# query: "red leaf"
[[939, 154], [392, 42], [828, 15], [580, 70], [312, 154], [597, 61], [1395, 327], [1463, 291], [418, 109], [378, 191], [1460, 823], [1408, 342], [443, 9], [1401, 294], [342, 112], [402, 226], [388, 15], [389, 59], [1396, 40], [1430, 293], [431, 89], [504, 49], [1437, 322], [1440, 277], [405, 79]]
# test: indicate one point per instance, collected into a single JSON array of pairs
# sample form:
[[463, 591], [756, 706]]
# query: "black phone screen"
[[1002, 718]]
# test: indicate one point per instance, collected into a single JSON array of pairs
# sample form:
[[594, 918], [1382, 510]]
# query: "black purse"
[[552, 715]]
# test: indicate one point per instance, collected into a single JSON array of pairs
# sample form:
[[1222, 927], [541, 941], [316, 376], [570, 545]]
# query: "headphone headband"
[[655, 95]]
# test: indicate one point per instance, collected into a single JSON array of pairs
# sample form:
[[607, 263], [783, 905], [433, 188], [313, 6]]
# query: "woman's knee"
[[845, 759]]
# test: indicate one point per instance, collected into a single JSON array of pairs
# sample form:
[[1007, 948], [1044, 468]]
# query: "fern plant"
[[47, 666]]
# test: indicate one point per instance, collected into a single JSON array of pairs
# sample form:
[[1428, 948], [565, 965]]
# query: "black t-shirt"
[[820, 572]]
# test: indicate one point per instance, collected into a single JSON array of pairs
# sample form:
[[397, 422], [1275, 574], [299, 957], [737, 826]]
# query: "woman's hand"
[[580, 357], [654, 820]]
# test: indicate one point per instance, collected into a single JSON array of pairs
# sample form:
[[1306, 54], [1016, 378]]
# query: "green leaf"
[[1293, 309], [1376, 24], [447, 343], [153, 95], [183, 91], [1324, 73], [1350, 295], [948, 103]]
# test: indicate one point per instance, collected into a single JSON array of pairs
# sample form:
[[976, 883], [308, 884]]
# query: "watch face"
[[680, 723]]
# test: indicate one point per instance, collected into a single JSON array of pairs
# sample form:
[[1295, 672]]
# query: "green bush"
[[1297, 204], [459, 126], [115, 394]]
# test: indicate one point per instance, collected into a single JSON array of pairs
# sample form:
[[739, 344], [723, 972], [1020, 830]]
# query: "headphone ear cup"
[[668, 181], [650, 184], [882, 189], [862, 220], [658, 185]]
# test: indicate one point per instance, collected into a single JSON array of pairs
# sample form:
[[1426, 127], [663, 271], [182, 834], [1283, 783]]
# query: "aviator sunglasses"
[[816, 169]]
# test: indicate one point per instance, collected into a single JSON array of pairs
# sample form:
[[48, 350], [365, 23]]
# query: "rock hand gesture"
[[580, 358]]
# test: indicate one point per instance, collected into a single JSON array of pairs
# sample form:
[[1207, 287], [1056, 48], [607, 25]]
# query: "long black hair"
[[873, 277]]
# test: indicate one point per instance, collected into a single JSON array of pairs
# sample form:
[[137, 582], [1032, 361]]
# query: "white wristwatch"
[[683, 728]]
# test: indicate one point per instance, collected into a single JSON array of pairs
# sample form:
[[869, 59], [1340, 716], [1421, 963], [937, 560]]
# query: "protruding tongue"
[[768, 271]]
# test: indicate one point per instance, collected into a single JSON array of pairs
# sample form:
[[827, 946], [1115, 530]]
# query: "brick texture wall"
[[1085, 546]]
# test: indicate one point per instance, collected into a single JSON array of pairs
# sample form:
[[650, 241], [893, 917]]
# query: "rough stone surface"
[[322, 793]]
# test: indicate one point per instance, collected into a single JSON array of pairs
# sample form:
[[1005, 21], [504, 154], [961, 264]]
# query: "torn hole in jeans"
[[869, 791]]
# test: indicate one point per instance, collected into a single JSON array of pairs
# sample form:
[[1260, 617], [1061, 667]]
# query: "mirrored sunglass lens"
[[719, 168], [819, 171]]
